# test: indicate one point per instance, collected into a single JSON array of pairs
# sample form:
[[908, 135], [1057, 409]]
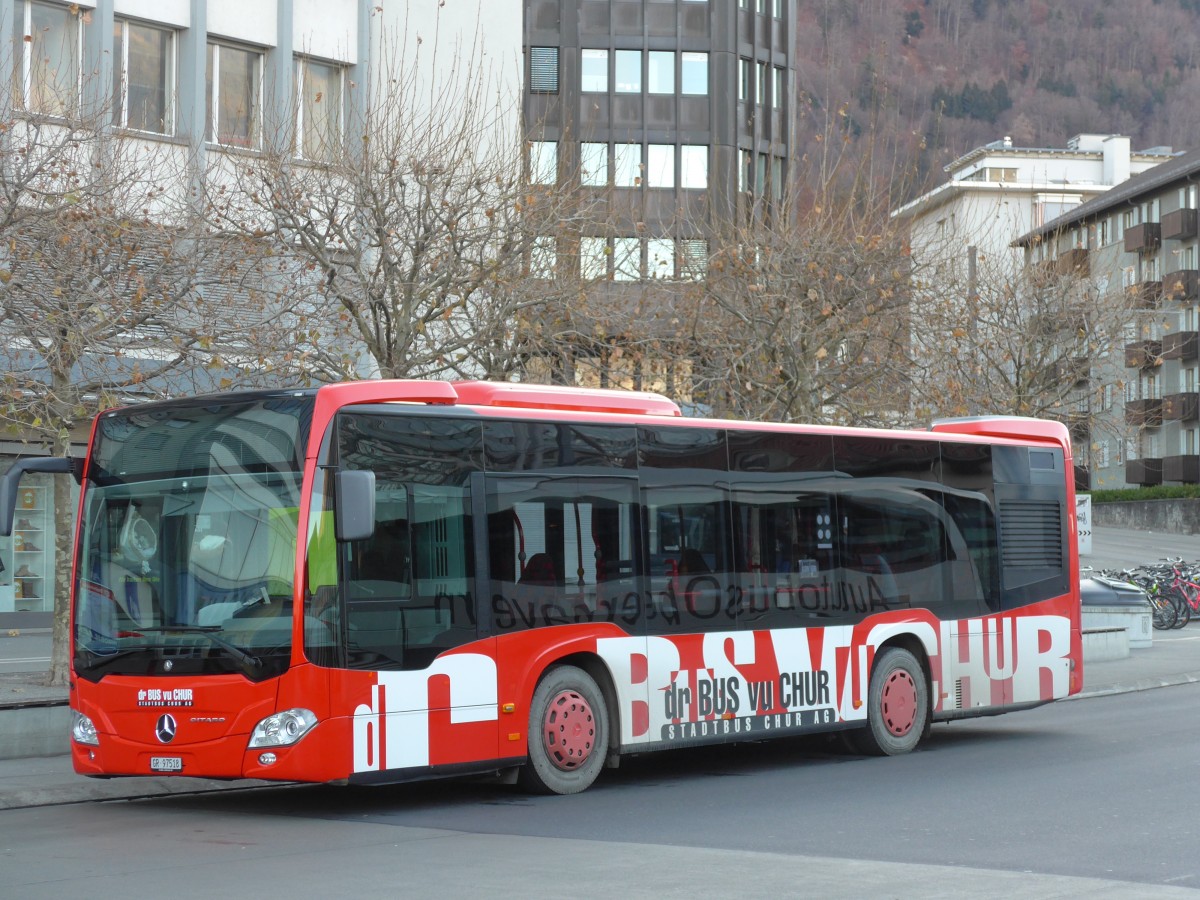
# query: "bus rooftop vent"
[[543, 396]]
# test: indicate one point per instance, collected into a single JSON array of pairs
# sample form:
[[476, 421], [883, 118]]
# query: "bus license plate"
[[166, 763]]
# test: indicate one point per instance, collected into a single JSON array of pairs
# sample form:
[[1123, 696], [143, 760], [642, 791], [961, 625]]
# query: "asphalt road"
[[1083, 799]]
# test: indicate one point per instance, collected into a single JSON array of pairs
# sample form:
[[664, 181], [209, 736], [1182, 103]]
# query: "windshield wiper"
[[206, 631], [98, 662]]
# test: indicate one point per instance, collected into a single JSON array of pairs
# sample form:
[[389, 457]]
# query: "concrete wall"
[[1169, 516]]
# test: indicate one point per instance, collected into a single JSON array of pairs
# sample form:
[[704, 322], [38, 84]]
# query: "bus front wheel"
[[897, 705], [568, 733]]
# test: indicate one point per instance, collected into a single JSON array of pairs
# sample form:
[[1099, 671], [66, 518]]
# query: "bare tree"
[[999, 337], [415, 231], [111, 290], [802, 319]]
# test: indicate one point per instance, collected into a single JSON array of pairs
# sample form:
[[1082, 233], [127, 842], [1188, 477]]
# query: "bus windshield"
[[188, 540]]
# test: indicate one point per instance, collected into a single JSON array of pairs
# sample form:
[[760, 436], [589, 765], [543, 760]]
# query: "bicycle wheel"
[[1183, 609], [1162, 612]]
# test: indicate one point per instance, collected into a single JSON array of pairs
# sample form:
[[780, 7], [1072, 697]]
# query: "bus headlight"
[[283, 728], [83, 730]]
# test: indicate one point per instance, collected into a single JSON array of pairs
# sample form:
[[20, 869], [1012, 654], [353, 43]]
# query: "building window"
[[593, 71], [1187, 442], [47, 41], [233, 89], [693, 258], [593, 164], [143, 77], [779, 91], [779, 9], [628, 74], [745, 170], [777, 177], [660, 258], [693, 73], [693, 166], [593, 258], [1189, 378], [543, 162], [660, 166], [543, 257], [319, 109], [543, 70], [627, 165], [627, 259], [744, 80], [660, 74], [760, 83]]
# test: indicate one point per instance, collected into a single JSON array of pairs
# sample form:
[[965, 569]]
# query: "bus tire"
[[898, 716], [568, 733]]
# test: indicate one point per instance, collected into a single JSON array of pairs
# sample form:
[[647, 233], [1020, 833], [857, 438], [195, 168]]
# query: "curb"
[[1146, 684]]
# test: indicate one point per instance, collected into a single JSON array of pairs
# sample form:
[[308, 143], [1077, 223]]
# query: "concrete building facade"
[[666, 116]]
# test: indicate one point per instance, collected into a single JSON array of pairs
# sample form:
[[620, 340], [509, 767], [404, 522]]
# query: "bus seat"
[[539, 570]]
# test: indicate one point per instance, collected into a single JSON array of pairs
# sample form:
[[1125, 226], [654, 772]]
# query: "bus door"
[[406, 611], [785, 535], [690, 564]]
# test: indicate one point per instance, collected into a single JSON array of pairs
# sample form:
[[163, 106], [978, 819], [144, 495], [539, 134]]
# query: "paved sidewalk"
[[1174, 659]]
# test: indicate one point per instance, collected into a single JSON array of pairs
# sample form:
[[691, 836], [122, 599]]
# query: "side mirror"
[[354, 504], [55, 465]]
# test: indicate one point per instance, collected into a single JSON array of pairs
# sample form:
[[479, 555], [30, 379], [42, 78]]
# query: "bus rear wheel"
[[568, 733], [898, 715]]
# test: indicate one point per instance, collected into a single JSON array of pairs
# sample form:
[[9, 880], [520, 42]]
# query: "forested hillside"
[[898, 88]]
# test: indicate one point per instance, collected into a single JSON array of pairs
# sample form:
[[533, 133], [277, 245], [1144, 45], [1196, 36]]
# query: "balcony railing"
[[1083, 479], [1143, 238], [1181, 407], [1180, 345], [1144, 413], [1185, 469], [1144, 471], [1070, 262], [1182, 286], [1179, 225], [1143, 354]]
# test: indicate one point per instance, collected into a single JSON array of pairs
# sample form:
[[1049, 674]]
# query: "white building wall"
[[452, 58], [252, 21]]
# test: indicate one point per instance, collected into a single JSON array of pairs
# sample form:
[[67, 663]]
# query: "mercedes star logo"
[[164, 730]]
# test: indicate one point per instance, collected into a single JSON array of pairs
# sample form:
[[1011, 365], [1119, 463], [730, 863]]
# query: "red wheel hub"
[[569, 730], [898, 702]]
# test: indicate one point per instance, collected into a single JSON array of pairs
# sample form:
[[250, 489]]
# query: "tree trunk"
[[64, 539]]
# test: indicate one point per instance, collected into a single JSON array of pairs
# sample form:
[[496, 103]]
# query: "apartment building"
[[998, 192], [1141, 239]]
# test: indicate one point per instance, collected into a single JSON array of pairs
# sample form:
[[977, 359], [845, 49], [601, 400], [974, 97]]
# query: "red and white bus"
[[391, 580]]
